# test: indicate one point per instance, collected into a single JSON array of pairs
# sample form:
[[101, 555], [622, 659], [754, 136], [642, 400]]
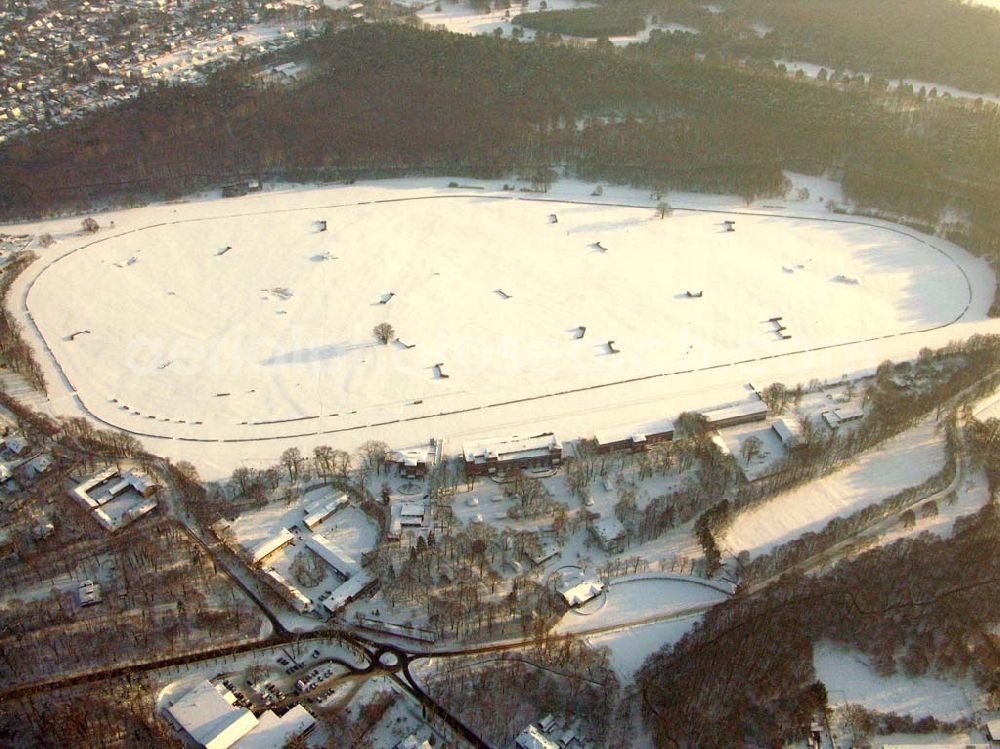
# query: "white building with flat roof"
[[208, 714]]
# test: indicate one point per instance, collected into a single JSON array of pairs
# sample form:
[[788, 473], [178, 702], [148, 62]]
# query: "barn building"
[[618, 440], [740, 413], [490, 457]]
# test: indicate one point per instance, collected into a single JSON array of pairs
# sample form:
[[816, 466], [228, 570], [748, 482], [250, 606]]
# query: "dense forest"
[[745, 675], [385, 100], [933, 40]]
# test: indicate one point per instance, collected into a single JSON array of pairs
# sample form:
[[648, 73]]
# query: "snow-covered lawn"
[[631, 647], [849, 678], [901, 462], [628, 601]]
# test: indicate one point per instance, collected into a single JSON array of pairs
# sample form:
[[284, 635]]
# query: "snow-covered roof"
[[137, 511], [609, 528], [16, 444], [41, 463], [299, 600], [583, 592], [89, 592], [81, 492], [510, 448], [993, 730], [789, 432], [611, 436], [412, 742], [849, 413], [138, 480], [209, 716], [547, 550], [333, 555], [752, 409], [343, 594], [621, 434], [837, 416], [532, 738], [268, 546], [412, 509], [118, 487], [273, 732], [411, 458], [318, 511], [721, 444]]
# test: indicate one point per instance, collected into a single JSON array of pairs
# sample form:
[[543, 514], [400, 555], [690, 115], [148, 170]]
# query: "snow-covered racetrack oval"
[[272, 337]]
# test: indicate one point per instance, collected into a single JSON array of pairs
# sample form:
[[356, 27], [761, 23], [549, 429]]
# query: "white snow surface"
[[282, 321], [631, 601], [849, 678], [812, 70], [903, 461], [631, 647], [461, 19]]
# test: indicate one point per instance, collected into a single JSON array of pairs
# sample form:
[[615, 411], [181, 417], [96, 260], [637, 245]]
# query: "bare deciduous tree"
[[384, 332]]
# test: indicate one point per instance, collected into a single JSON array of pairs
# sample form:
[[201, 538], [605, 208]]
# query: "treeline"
[[937, 40], [114, 713], [389, 100], [16, 352], [745, 674], [559, 676], [592, 23], [897, 397], [934, 40]]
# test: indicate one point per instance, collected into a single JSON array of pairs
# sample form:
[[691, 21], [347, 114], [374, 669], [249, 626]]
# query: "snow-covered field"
[[849, 678], [631, 647], [461, 19], [903, 461], [812, 70], [629, 601], [221, 356]]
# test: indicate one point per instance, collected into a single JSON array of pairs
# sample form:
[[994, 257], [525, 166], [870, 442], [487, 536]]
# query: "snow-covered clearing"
[[461, 19], [221, 356], [849, 678], [631, 647], [995, 4], [643, 36], [903, 461], [632, 601], [812, 70]]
